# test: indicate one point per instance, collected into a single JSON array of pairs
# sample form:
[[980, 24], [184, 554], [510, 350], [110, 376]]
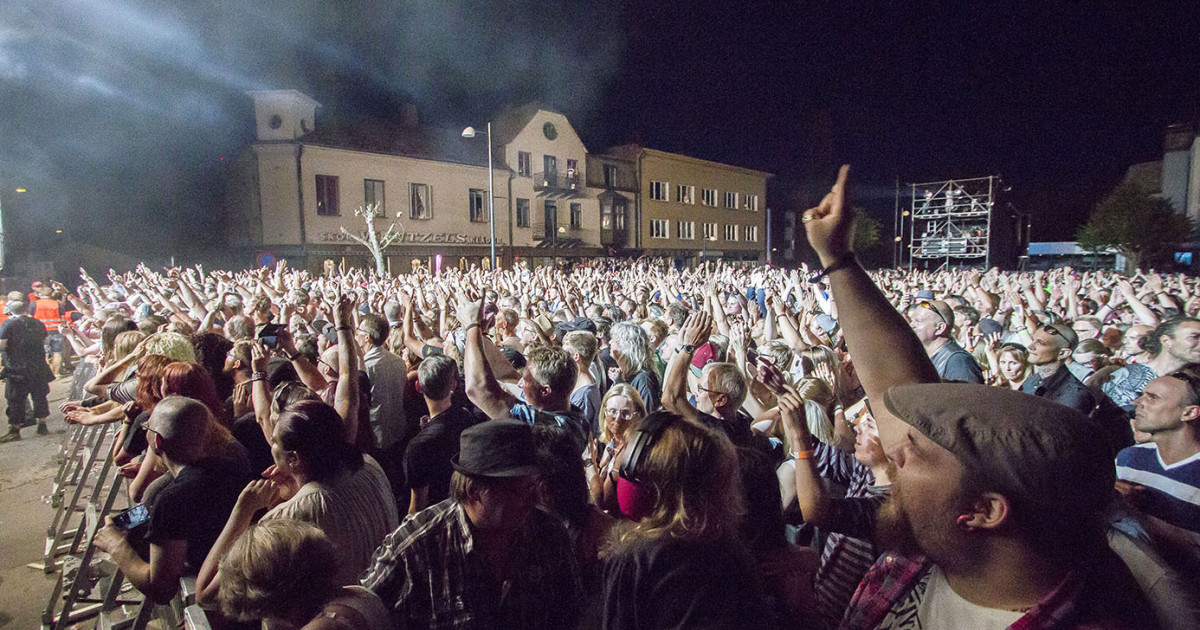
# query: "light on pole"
[[469, 132]]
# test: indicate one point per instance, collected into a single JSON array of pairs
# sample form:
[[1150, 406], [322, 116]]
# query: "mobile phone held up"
[[131, 518], [269, 335]]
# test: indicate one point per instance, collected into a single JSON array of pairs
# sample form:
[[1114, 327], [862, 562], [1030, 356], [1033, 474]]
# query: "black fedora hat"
[[497, 448]]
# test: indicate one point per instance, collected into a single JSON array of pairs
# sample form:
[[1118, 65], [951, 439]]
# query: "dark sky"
[[114, 114]]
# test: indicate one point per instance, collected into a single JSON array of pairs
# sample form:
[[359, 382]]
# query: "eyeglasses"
[[620, 414], [931, 307]]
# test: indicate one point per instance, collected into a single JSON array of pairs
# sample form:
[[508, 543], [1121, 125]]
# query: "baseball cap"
[[703, 355], [1031, 450]]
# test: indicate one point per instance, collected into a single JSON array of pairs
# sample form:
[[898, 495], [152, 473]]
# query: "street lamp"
[[469, 132]]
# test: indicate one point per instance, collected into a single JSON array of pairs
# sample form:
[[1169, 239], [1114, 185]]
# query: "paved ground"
[[27, 469]]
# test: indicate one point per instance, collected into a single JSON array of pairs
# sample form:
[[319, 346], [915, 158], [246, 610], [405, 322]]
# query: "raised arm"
[[886, 351], [482, 386], [345, 397], [694, 333]]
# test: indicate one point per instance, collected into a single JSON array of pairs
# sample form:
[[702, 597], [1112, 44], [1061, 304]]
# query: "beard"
[[893, 529]]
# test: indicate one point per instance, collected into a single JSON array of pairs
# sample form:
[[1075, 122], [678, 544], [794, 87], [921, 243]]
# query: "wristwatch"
[[688, 348]]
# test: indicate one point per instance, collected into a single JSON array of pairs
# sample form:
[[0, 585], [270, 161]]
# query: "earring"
[[961, 521]]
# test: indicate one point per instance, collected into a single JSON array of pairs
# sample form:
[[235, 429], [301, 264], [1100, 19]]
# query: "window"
[[421, 206], [686, 230], [373, 193], [731, 232], [685, 194], [327, 195], [478, 211], [752, 203], [524, 164], [522, 213], [710, 231], [659, 191], [751, 233], [576, 216], [550, 166], [610, 175], [660, 228], [731, 200], [708, 196]]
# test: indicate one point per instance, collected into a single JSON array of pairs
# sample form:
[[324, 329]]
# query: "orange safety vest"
[[46, 311]]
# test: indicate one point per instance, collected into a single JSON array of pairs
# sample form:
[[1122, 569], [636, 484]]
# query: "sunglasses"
[[931, 307], [1050, 330]]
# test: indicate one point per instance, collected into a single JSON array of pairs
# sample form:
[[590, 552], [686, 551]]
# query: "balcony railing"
[[562, 183]]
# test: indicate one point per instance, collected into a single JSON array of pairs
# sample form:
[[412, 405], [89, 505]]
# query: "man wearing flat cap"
[[486, 557], [995, 518]]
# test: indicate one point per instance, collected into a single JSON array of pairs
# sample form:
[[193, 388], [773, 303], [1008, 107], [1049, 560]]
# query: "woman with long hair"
[[683, 563], [631, 350], [317, 478], [620, 409], [1010, 365]]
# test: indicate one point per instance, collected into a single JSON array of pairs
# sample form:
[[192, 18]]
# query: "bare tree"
[[373, 242]]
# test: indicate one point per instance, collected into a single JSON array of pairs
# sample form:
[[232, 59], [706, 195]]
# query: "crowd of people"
[[623, 444]]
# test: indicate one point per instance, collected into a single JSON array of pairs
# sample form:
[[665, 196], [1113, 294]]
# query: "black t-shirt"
[[427, 459], [249, 434], [674, 584], [196, 504], [26, 342], [743, 436]]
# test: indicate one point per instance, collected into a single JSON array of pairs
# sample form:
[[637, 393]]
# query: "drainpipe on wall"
[[300, 203], [512, 248]]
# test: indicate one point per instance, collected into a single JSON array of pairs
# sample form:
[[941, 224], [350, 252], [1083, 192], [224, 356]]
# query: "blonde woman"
[[620, 409], [683, 563]]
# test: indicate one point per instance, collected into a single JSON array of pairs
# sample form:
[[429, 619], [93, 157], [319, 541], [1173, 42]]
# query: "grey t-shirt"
[[953, 363]]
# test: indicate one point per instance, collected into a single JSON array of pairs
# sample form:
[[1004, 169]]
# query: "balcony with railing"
[[558, 184]]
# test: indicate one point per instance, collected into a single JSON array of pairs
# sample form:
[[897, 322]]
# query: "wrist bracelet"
[[258, 376], [345, 328], [470, 326], [841, 262], [295, 357], [803, 454]]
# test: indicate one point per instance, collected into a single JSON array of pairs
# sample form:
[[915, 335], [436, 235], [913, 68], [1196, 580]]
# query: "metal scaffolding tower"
[[951, 221]]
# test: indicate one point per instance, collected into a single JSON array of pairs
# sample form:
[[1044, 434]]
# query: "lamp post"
[[469, 132]]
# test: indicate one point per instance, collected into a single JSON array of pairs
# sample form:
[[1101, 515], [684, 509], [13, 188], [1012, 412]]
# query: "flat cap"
[[1027, 448]]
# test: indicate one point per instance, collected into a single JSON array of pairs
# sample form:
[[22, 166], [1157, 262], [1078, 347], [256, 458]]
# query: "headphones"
[[641, 443]]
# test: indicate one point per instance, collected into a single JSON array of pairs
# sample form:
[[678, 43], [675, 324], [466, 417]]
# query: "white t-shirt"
[[943, 609]]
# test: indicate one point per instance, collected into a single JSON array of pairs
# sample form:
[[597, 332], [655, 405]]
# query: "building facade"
[[692, 209], [291, 193]]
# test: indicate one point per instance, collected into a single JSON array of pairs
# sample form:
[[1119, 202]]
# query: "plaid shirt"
[[429, 574], [889, 581]]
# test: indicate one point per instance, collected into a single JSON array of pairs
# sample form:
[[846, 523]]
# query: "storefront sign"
[[412, 237]]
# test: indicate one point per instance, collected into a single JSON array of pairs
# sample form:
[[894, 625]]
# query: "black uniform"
[[25, 370]]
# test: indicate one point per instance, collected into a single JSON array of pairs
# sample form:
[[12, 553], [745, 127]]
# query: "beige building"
[[297, 185], [692, 209]]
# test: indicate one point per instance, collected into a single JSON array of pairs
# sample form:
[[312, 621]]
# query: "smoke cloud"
[[117, 116]]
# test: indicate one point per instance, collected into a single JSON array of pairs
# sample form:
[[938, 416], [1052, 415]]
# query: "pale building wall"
[[449, 186], [279, 194], [566, 146]]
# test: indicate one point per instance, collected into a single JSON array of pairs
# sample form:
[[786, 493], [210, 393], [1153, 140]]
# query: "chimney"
[[408, 115]]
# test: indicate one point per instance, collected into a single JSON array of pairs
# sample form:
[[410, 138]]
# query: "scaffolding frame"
[[951, 220]]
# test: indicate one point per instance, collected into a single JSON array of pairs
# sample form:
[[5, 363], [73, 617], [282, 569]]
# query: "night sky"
[[115, 114]]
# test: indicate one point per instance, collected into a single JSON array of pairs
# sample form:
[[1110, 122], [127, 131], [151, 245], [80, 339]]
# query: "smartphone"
[[269, 335], [131, 518]]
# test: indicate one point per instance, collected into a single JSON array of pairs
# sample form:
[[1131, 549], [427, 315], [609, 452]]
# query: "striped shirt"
[[1173, 492], [355, 510], [429, 575]]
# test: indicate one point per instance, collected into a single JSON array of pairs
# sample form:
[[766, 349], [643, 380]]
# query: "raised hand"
[[830, 225]]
